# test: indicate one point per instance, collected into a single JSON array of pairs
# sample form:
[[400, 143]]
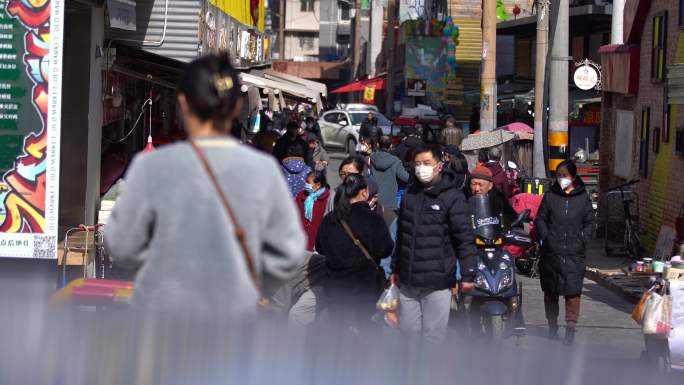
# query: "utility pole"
[[488, 87], [558, 92], [616, 31], [389, 51], [357, 41], [539, 166], [281, 30]]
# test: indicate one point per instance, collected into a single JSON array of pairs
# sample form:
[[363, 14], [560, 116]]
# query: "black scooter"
[[497, 298]]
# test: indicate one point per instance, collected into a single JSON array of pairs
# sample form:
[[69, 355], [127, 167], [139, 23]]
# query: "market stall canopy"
[[275, 75], [283, 87], [358, 86], [521, 130], [486, 139]]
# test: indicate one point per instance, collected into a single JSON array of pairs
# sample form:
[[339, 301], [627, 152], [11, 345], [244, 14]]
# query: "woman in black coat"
[[564, 225], [353, 283]]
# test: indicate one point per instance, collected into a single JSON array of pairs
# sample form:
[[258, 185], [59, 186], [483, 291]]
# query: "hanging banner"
[[369, 94], [30, 115]]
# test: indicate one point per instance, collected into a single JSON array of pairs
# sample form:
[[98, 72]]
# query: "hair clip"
[[223, 84]]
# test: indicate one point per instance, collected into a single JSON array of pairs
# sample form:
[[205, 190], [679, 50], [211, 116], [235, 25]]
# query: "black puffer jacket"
[[564, 224], [434, 229]]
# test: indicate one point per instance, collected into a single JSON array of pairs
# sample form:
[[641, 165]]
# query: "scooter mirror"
[[522, 217]]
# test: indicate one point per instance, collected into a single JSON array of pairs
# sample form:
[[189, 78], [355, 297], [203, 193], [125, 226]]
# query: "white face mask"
[[424, 173], [564, 183]]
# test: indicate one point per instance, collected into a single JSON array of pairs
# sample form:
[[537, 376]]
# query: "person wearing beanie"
[[482, 183]]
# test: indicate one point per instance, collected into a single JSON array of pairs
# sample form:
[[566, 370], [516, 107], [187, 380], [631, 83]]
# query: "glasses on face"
[[345, 174]]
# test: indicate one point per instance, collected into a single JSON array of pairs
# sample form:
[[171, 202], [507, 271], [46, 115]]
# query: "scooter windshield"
[[486, 225]]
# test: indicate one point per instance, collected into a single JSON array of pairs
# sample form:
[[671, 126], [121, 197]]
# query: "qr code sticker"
[[44, 246]]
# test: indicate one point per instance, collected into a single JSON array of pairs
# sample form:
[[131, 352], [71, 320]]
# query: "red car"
[[432, 128]]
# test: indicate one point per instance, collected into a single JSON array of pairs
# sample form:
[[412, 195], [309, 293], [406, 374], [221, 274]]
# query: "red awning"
[[358, 86]]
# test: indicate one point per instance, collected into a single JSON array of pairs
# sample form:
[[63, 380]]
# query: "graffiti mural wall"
[[30, 105]]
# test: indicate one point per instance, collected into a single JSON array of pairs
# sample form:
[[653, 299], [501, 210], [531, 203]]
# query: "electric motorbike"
[[496, 306]]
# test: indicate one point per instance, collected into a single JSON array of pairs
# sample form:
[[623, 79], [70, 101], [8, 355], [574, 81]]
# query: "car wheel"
[[351, 146]]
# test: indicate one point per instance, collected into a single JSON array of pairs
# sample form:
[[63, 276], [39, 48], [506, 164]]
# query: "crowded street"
[[341, 192]]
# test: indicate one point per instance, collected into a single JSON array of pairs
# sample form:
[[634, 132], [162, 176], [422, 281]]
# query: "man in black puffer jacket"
[[434, 230]]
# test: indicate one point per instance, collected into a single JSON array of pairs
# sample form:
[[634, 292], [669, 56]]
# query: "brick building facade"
[[639, 115]]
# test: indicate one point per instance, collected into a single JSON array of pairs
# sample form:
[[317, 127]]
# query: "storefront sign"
[[587, 75], [30, 114], [121, 14], [369, 94]]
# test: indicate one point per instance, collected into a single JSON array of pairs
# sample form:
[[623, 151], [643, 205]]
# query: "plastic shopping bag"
[[657, 319], [389, 300], [676, 337]]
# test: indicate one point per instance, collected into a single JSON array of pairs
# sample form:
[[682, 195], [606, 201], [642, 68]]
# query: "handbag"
[[239, 231], [381, 280]]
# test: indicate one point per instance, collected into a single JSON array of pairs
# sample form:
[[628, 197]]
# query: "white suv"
[[340, 128]]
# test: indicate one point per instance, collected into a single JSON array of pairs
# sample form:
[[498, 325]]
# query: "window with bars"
[[307, 5], [306, 42], [659, 50], [345, 11], [643, 141]]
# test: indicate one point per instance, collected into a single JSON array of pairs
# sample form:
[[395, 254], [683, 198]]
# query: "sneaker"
[[569, 337], [553, 333]]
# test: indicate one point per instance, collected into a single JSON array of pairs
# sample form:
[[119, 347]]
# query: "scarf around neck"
[[309, 203]]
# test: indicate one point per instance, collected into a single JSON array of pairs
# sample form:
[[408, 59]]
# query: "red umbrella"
[[379, 84]]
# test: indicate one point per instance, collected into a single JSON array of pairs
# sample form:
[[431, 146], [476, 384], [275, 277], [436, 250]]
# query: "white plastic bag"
[[389, 300], [676, 337], [657, 319]]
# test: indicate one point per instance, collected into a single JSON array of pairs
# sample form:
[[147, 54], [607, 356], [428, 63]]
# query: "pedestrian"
[[266, 138], [353, 240], [290, 138], [370, 132], [313, 128], [388, 171], [312, 203], [319, 155], [493, 163], [295, 168], [434, 230], [482, 183], [192, 261], [457, 162], [452, 135], [352, 164], [405, 149], [564, 227]]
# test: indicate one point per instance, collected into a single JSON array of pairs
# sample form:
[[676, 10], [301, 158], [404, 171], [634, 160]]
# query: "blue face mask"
[[308, 188]]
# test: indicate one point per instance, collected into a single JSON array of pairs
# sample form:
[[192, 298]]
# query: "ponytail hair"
[[212, 89], [350, 187]]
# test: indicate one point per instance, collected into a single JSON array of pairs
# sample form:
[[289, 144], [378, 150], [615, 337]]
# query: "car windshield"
[[358, 117]]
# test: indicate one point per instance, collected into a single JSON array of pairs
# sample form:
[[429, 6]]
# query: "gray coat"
[[387, 170], [169, 220]]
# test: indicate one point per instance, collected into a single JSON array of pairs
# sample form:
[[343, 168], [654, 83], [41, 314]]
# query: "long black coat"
[[349, 271], [434, 229], [564, 224]]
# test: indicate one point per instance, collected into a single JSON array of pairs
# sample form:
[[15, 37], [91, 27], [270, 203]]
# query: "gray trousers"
[[424, 312], [306, 310]]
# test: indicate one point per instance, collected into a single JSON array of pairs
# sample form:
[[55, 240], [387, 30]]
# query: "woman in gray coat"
[[170, 222]]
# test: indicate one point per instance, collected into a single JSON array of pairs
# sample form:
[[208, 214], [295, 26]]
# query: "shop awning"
[[282, 87], [358, 86], [275, 75]]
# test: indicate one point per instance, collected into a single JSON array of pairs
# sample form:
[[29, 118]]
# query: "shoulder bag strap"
[[239, 231], [358, 244]]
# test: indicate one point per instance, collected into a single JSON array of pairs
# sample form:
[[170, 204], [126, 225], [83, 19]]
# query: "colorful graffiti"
[[22, 189]]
